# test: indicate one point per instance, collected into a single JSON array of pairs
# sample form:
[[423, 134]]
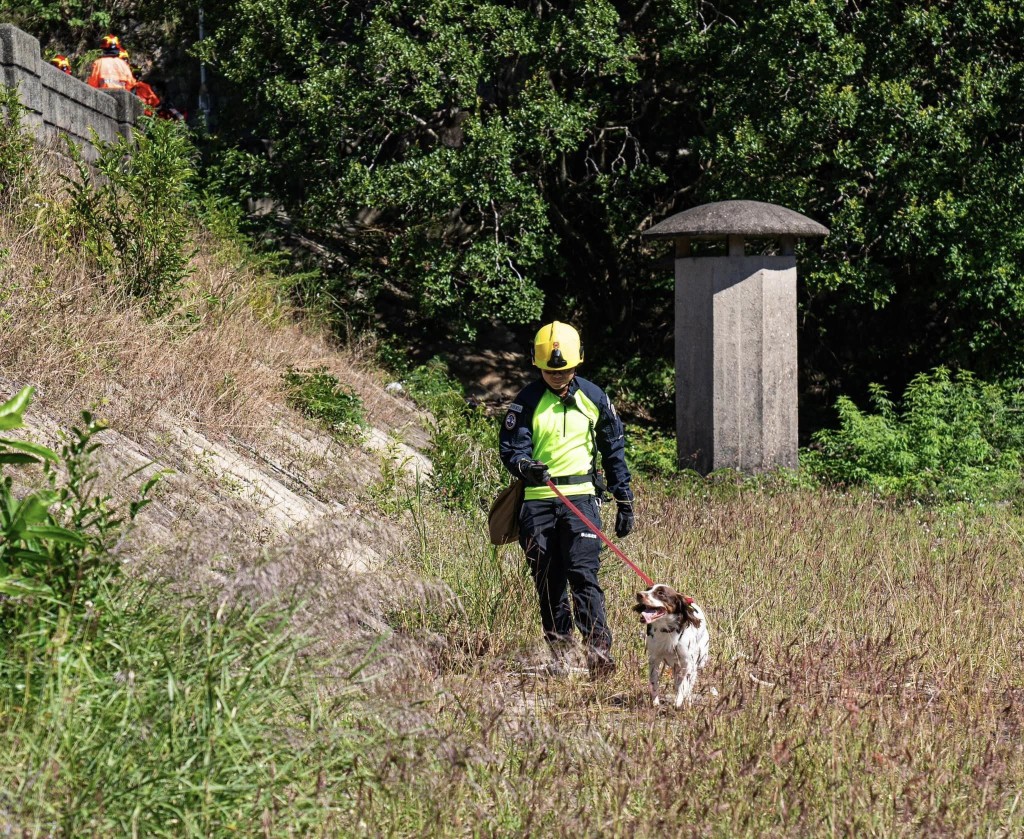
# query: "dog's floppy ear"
[[676, 603], [691, 613]]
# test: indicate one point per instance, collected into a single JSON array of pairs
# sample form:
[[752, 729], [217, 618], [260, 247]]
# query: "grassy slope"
[[866, 660]]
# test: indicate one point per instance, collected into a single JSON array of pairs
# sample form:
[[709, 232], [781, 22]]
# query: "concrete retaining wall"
[[60, 105]]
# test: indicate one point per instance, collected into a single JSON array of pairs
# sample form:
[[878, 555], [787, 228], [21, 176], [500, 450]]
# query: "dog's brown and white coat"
[[677, 635]]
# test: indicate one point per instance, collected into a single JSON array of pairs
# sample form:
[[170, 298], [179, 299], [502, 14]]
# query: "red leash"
[[599, 534]]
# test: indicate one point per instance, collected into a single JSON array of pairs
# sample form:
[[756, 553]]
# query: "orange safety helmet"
[[109, 43], [61, 63]]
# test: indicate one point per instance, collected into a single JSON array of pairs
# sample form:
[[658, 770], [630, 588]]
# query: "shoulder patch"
[[510, 420], [515, 407]]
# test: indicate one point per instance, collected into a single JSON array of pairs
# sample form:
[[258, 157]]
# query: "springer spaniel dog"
[[677, 635]]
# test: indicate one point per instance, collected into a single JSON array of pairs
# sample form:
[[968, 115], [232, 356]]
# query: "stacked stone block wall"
[[60, 105]]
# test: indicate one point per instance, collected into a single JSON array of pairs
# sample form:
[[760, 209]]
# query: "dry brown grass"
[[68, 333], [202, 381], [216, 359], [866, 661]]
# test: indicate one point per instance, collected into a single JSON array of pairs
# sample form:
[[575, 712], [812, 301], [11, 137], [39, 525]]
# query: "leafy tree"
[[897, 125], [426, 141], [470, 157], [456, 161]]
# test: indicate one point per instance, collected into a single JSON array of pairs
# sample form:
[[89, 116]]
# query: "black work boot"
[[600, 663]]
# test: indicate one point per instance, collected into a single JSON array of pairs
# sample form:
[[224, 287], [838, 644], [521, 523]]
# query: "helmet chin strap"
[[563, 391]]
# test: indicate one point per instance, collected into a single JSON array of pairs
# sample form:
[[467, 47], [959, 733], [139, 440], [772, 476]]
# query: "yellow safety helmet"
[[123, 54], [61, 63], [110, 42], [557, 346]]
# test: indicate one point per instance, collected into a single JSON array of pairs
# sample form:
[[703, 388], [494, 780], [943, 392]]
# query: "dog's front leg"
[[653, 674], [684, 675]]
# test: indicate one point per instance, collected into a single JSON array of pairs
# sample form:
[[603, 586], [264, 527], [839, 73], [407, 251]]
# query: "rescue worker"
[[61, 63], [148, 96], [110, 71], [554, 430], [141, 89]]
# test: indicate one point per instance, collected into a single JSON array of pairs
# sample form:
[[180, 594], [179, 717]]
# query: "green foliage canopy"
[[423, 138], [481, 159], [462, 160], [898, 125]]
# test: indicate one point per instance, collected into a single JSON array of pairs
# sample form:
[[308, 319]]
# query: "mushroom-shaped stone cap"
[[754, 219]]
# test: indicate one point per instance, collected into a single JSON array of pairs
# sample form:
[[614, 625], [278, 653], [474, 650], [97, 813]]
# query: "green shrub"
[[16, 165], [464, 440], [954, 439], [651, 452], [136, 219], [320, 396], [393, 354], [55, 542]]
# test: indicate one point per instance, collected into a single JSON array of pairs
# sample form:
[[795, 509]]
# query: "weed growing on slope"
[[464, 440], [55, 550], [131, 711], [319, 395], [181, 720], [137, 218], [16, 172]]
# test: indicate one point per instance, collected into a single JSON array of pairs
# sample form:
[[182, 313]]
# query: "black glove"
[[624, 519], [534, 472]]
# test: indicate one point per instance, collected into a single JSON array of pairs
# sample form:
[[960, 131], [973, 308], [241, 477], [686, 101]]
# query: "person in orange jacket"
[[148, 96], [61, 63], [141, 89], [110, 71]]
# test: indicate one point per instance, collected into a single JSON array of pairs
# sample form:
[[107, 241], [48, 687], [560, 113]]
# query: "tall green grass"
[[176, 721], [126, 710]]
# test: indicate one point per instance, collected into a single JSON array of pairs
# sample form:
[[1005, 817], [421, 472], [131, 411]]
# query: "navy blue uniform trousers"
[[563, 553]]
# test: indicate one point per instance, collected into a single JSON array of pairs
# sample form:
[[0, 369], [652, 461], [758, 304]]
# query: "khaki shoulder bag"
[[503, 519]]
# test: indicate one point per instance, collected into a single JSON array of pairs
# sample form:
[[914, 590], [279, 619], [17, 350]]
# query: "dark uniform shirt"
[[562, 432]]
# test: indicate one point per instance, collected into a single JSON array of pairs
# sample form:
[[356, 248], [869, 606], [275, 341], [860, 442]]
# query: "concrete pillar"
[[735, 336]]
